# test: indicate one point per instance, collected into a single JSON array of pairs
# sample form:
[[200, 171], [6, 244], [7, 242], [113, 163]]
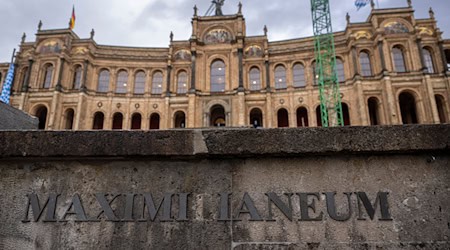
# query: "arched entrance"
[[41, 114], [283, 118], [319, 116], [442, 109], [302, 117], [69, 115], [154, 121], [218, 118], [345, 114], [99, 118], [408, 108], [117, 121], [256, 118], [180, 119], [136, 121], [374, 114]]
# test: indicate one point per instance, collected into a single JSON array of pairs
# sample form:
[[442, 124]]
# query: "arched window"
[[23, 76], [48, 73], [157, 82], [117, 121], [41, 114], [69, 115], [121, 83], [408, 108], [399, 59], [302, 117], [374, 111], [340, 70], [428, 59], [346, 114], [182, 82], [442, 109], [154, 121], [364, 62], [136, 121], [218, 76], [319, 116], [139, 82], [255, 78], [218, 118], [180, 119], [280, 77], [283, 118], [77, 77], [99, 118], [299, 75], [256, 118], [103, 81]]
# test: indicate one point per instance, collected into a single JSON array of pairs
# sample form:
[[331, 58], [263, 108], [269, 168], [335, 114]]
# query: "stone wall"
[[338, 188]]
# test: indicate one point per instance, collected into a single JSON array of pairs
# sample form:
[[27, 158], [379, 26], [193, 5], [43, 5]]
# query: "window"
[[255, 79], [374, 115], [346, 114], [364, 62], [180, 119], [154, 121], [218, 117], [408, 108], [136, 121], [139, 83], [299, 75], [23, 76], [302, 117], [157, 81], [182, 81], [428, 59], [280, 77], [117, 121], [340, 70], [399, 59], [218, 76], [99, 118], [103, 81], [283, 118], [41, 114], [48, 72], [77, 77], [256, 118], [121, 83], [69, 116]]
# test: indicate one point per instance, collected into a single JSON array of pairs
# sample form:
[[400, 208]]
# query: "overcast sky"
[[148, 23]]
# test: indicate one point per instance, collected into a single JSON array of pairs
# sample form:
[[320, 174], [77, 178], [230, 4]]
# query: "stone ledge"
[[226, 142]]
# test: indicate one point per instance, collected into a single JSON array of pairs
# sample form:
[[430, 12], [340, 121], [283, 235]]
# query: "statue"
[[24, 36], [195, 10], [171, 36], [372, 4], [240, 8], [265, 30], [409, 3], [219, 4], [348, 18], [92, 34], [431, 12], [40, 25]]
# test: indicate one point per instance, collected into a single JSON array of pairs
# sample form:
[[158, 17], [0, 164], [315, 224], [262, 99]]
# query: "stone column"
[[431, 100], [61, 71], [267, 76], [193, 69], [354, 57], [422, 67], [26, 82], [443, 57], [84, 80], [383, 61], [241, 72], [169, 75]]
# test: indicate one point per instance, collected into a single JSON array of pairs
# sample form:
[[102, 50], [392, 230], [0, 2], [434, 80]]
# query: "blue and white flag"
[[361, 3], [6, 90]]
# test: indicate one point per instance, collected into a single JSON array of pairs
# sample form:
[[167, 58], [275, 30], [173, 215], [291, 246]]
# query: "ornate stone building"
[[392, 70]]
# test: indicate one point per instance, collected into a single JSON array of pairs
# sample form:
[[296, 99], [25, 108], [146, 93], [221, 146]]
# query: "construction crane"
[[215, 5], [326, 74]]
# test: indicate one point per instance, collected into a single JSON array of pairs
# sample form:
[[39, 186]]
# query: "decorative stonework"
[[218, 36], [51, 46], [395, 28], [182, 55], [425, 31], [253, 51], [362, 34]]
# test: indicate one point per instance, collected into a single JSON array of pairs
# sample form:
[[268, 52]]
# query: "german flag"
[[72, 19]]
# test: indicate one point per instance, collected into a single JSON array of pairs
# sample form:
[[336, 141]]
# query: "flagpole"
[[13, 56]]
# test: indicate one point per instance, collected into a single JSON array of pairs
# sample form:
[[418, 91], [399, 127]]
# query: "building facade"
[[392, 69]]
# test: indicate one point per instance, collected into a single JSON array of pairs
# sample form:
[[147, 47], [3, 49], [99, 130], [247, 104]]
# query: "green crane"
[[330, 98]]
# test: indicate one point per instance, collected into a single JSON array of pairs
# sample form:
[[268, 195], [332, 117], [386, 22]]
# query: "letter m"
[[37, 209], [382, 199]]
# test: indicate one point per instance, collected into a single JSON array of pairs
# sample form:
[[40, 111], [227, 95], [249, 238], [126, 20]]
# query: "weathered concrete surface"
[[12, 118], [415, 173]]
